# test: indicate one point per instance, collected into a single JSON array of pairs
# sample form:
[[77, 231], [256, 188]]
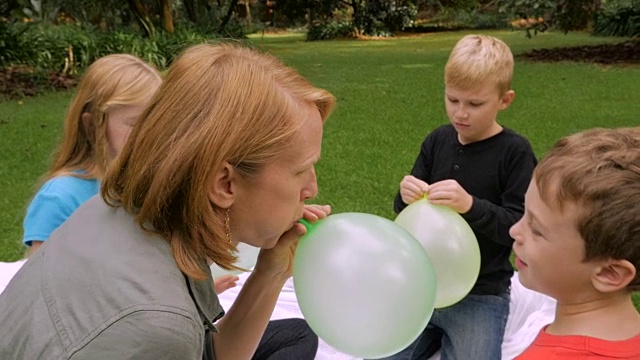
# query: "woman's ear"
[[613, 275], [222, 186]]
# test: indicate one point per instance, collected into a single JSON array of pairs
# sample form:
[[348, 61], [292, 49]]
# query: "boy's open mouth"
[[519, 263]]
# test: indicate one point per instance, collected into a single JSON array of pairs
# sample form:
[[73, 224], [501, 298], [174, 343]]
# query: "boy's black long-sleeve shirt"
[[496, 172]]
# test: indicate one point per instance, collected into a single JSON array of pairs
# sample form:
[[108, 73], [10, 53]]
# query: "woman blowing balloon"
[[225, 154]]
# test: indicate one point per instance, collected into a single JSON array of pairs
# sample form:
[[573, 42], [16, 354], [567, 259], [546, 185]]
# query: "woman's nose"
[[311, 190]]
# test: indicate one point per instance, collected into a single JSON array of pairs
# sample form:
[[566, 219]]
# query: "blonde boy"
[[481, 170], [579, 242]]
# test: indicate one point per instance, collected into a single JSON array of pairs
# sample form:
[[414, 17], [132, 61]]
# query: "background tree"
[[564, 15], [142, 14], [167, 17]]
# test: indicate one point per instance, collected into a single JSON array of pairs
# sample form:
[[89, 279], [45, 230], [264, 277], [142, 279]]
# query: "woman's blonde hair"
[[117, 79], [219, 104], [479, 60]]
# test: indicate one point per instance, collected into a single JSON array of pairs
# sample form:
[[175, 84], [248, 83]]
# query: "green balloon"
[[451, 245], [364, 285]]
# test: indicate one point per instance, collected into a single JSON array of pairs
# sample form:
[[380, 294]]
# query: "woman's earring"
[[227, 227]]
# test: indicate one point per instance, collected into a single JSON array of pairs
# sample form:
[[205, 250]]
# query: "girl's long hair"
[[117, 79]]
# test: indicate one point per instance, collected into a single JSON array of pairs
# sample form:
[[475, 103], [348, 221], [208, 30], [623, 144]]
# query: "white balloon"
[[450, 244], [247, 257], [365, 286]]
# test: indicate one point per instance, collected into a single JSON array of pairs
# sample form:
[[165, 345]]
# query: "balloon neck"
[[310, 227], [426, 196]]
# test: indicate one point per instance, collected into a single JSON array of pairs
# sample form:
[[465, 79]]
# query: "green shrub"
[[70, 48], [457, 19], [618, 18], [60, 48], [11, 48], [331, 30], [170, 46], [38, 54], [383, 18]]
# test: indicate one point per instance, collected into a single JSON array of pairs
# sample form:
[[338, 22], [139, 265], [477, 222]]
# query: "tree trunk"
[[227, 17], [311, 17], [167, 18], [190, 10], [195, 9], [249, 19], [143, 16]]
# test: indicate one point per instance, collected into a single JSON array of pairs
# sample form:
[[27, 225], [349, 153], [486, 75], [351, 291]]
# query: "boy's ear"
[[507, 99], [613, 275], [222, 186]]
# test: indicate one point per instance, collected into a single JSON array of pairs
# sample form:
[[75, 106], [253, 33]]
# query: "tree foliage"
[[565, 15], [146, 15], [619, 18]]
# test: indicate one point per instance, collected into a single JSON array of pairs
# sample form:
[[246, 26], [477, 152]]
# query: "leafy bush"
[[10, 46], [64, 48], [400, 17], [564, 15], [134, 44], [70, 48], [382, 17], [471, 19], [331, 30], [42, 55], [618, 18]]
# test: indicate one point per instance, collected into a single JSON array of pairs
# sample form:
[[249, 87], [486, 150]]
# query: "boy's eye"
[[534, 231], [476, 104], [453, 100]]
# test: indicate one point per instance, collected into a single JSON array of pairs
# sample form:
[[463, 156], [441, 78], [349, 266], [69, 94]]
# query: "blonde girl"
[[111, 95]]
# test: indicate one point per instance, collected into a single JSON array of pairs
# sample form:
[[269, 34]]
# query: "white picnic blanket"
[[7, 270], [529, 312], [286, 307]]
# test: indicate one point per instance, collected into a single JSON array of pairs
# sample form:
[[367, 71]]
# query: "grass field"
[[390, 95]]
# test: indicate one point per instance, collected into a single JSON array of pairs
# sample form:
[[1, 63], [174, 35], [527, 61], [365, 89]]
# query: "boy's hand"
[[450, 193], [224, 283], [412, 189]]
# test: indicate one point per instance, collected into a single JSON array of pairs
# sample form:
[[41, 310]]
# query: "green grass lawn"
[[390, 95]]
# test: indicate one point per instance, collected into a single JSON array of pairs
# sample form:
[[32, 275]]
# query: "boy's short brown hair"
[[477, 60], [598, 171]]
